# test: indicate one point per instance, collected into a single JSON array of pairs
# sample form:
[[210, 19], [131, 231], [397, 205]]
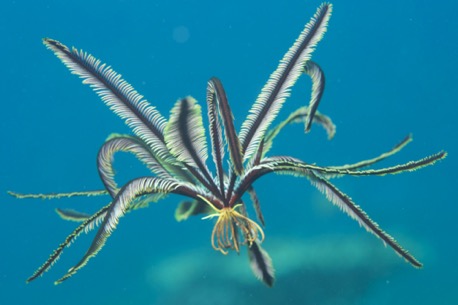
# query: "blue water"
[[391, 70]]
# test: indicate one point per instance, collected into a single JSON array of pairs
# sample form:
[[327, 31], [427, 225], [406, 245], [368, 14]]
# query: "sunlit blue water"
[[391, 70]]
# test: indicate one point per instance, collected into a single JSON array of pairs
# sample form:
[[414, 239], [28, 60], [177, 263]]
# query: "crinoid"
[[175, 150]]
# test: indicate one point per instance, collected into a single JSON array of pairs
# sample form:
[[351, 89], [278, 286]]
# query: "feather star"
[[176, 153]]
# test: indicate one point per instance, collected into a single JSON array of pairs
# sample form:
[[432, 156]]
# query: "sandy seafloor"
[[391, 70]]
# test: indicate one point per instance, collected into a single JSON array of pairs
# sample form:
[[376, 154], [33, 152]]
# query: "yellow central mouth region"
[[231, 228]]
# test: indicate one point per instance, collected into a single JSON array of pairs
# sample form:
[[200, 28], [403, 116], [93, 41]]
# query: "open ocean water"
[[391, 70]]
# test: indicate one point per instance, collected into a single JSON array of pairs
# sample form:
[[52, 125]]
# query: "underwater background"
[[391, 70]]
